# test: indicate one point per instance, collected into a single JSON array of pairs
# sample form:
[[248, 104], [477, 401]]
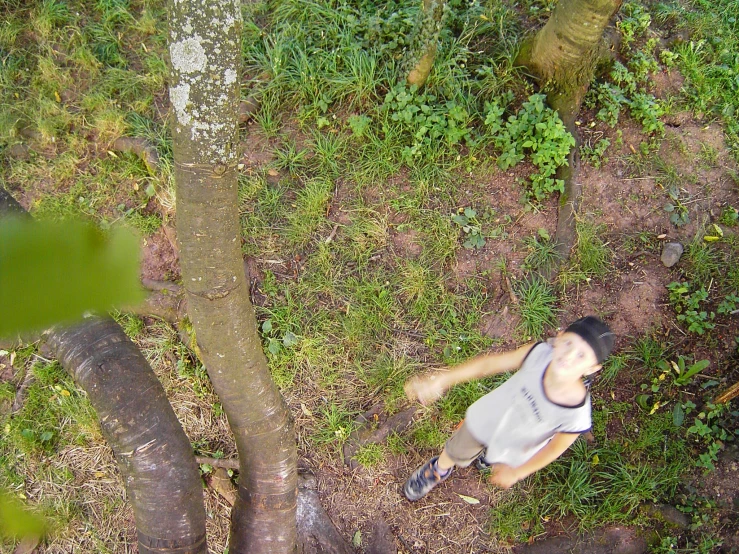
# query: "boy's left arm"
[[506, 476]]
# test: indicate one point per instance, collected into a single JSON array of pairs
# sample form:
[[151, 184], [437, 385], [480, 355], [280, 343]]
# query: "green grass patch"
[[536, 306]]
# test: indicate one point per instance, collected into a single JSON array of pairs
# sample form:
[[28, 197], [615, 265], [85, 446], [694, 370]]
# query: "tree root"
[[223, 463], [371, 431], [169, 306], [613, 540], [317, 534], [142, 148]]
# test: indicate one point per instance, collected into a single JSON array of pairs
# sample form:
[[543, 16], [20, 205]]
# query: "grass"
[[536, 306], [393, 292]]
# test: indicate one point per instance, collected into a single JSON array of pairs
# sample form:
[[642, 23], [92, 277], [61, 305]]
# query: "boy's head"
[[583, 346]]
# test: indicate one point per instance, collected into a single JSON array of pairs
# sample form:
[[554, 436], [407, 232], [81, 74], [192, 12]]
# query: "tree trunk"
[[564, 53], [154, 454], [205, 57], [563, 57], [422, 51]]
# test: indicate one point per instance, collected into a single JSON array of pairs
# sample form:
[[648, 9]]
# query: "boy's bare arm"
[[505, 476], [427, 388]]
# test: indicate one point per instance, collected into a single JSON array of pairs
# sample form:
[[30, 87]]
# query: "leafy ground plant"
[[535, 129], [467, 220], [688, 307]]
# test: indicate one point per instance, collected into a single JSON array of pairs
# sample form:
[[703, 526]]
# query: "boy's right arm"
[[428, 388]]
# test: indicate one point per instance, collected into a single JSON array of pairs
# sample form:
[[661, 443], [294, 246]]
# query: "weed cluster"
[[537, 129]]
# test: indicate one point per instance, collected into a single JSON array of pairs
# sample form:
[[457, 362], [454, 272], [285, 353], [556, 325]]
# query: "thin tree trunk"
[[564, 53], [205, 57], [422, 51], [154, 454], [563, 57]]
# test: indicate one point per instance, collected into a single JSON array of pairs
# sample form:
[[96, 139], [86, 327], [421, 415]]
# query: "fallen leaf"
[[662, 236], [273, 172], [305, 410], [468, 499]]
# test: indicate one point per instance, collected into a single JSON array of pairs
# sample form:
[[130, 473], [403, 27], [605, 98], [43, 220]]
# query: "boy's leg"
[[460, 450]]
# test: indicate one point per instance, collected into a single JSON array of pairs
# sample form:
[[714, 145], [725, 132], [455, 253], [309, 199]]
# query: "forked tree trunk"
[[205, 58], [153, 453], [422, 51], [563, 57]]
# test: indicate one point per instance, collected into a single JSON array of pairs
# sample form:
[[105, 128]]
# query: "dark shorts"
[[462, 447]]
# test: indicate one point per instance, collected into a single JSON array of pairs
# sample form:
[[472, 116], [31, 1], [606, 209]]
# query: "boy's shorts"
[[462, 447]]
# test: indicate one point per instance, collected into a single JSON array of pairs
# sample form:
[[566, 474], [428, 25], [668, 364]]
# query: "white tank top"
[[517, 419]]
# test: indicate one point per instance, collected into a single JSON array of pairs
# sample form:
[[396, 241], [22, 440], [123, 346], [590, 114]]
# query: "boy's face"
[[573, 356]]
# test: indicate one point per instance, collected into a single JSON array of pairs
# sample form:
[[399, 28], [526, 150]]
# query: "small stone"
[[671, 253], [19, 152]]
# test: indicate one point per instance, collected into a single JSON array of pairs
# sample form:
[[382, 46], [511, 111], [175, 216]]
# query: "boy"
[[528, 421]]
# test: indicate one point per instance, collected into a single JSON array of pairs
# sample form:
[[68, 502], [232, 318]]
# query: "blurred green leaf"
[[16, 522], [55, 272]]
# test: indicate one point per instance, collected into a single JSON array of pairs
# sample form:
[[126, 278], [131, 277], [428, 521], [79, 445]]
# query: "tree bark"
[[205, 58], [154, 454], [564, 53], [422, 51]]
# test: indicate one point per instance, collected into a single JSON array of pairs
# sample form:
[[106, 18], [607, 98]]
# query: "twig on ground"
[[142, 148], [509, 289], [728, 395], [231, 463], [21, 393]]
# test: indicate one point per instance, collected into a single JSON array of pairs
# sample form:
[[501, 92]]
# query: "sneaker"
[[424, 479], [480, 462]]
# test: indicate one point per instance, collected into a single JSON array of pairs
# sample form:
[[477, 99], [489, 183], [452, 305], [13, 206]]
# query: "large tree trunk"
[[563, 57], [154, 454], [205, 56], [422, 51]]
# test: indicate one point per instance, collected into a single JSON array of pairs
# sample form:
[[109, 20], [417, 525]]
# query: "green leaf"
[[357, 539], [267, 326], [274, 346], [289, 339], [16, 522], [150, 191], [46, 436], [543, 233], [470, 213], [55, 272], [460, 220], [678, 415], [642, 400]]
